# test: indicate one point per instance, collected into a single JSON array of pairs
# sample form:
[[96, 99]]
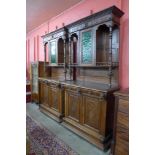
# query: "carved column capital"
[[103, 95]]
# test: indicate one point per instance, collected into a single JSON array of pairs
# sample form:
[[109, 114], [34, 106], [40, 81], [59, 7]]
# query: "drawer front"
[[122, 146], [123, 106], [122, 133], [123, 119]]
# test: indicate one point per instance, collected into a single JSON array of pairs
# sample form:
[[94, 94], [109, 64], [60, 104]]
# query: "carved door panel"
[[45, 94], [54, 98], [95, 113], [41, 90], [73, 105], [92, 112]]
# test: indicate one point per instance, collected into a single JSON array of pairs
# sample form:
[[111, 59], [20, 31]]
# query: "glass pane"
[[86, 47], [53, 52]]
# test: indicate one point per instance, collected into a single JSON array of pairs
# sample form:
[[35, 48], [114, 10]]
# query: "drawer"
[[123, 119], [123, 106], [122, 133], [122, 146]]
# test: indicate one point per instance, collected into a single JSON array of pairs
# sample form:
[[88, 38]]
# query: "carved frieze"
[[57, 35], [47, 39], [99, 20], [77, 28]]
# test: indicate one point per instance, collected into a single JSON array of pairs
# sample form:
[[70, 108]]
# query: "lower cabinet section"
[[51, 99], [86, 115], [87, 112]]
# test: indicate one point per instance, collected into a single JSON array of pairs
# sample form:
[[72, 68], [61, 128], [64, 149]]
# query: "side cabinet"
[[86, 114], [51, 99], [121, 125]]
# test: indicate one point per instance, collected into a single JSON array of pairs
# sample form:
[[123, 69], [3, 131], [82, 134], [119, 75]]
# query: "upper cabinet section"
[[91, 41], [55, 42]]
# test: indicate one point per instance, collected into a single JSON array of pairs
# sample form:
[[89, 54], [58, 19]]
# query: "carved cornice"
[[110, 14], [107, 16]]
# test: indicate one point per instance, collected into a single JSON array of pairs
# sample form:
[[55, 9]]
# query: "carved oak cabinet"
[[82, 74]]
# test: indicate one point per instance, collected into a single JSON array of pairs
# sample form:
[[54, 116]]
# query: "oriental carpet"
[[42, 142]]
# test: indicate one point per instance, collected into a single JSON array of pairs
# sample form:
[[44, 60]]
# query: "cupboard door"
[[95, 113], [73, 105], [45, 94], [41, 92], [91, 112], [53, 98]]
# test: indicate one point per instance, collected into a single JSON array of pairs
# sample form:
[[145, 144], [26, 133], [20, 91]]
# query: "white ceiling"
[[39, 11]]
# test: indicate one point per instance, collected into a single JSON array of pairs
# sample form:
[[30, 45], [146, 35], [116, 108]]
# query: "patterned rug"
[[42, 142]]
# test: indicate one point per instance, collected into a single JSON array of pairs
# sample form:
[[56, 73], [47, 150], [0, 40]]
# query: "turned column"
[[65, 70], [45, 57], [70, 71], [110, 56]]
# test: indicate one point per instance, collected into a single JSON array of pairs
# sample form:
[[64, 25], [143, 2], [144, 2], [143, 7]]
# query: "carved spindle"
[[103, 95], [70, 58], [65, 70], [110, 56], [45, 57]]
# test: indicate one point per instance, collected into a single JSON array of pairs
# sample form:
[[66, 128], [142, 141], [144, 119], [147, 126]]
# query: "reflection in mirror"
[[53, 52]]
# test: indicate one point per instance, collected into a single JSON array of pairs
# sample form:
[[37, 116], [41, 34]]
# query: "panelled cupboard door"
[[41, 92], [54, 98], [73, 101], [45, 94], [94, 113]]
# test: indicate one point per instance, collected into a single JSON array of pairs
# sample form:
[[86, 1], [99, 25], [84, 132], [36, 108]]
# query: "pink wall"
[[124, 46], [79, 11]]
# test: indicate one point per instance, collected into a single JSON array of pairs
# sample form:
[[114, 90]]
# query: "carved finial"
[[103, 95], [91, 12], [63, 24]]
